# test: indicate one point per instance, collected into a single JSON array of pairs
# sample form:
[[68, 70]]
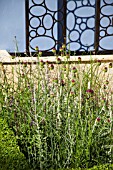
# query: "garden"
[[56, 115]]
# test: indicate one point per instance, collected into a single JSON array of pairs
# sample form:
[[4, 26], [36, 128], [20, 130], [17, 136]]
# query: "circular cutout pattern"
[[34, 22], [91, 22], [74, 35], [47, 21], [37, 2], [104, 22], [79, 20], [102, 33], [82, 26], [32, 34], [87, 37], [41, 31], [110, 30], [71, 5]]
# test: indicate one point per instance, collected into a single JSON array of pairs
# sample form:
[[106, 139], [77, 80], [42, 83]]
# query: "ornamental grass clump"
[[58, 116]]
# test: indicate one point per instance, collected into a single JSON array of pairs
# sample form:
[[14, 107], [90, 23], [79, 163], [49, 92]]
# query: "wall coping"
[[6, 59]]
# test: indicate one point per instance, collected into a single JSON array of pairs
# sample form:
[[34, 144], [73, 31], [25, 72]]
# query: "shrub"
[[10, 156]]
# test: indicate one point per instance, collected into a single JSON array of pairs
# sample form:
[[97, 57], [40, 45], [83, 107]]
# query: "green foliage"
[[10, 156], [62, 121]]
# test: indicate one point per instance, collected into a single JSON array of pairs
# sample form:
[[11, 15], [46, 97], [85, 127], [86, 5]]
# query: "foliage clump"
[[61, 116]]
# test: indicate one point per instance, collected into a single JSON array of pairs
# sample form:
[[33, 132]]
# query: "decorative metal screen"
[[83, 25], [106, 25]]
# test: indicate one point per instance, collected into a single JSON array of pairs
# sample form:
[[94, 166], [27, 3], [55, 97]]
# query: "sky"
[[80, 30]]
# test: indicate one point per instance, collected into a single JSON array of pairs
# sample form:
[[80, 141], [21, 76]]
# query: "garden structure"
[[56, 98]]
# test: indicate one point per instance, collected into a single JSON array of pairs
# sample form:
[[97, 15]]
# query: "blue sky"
[[12, 23]]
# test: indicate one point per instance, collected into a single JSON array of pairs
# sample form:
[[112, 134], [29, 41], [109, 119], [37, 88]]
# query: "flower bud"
[[105, 69], [79, 59], [36, 48], [54, 50], [98, 119], [61, 49], [40, 53], [74, 70], [63, 46], [110, 65]]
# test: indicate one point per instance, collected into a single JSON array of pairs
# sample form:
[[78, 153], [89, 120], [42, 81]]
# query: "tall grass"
[[61, 115]]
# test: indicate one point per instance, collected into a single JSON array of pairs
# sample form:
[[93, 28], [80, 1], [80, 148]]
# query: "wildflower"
[[36, 48], [71, 93], [104, 99], [99, 62], [64, 68], [55, 80], [105, 69], [51, 67], [98, 119], [110, 65], [63, 46], [61, 49], [42, 63], [25, 63], [90, 91], [74, 70], [47, 62], [107, 82], [40, 53], [104, 86], [67, 56], [79, 59], [54, 50], [62, 83], [58, 60], [73, 82], [108, 120]]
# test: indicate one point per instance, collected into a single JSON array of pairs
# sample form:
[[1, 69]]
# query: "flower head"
[[40, 53], [36, 48], [73, 82], [58, 60], [105, 69], [54, 50], [110, 65], [63, 46], [98, 119], [62, 82], [51, 66], [99, 62], [90, 91], [61, 49], [79, 59], [67, 56], [74, 69]]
